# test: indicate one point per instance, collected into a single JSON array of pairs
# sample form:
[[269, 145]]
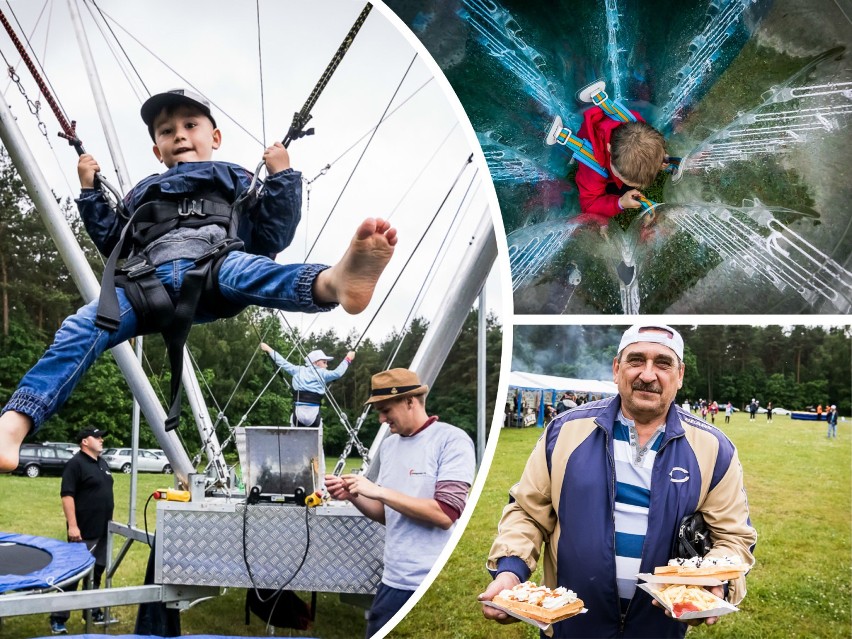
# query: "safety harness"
[[581, 149], [152, 304]]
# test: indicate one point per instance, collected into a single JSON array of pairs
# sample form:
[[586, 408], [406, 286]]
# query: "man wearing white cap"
[[309, 382], [831, 418], [606, 488]]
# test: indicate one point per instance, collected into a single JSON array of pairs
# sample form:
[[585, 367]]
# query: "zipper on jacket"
[[611, 459]]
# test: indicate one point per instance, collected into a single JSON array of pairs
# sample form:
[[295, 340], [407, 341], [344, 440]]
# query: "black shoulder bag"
[[692, 538]]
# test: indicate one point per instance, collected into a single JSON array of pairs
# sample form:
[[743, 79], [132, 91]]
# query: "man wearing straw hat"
[[426, 470]]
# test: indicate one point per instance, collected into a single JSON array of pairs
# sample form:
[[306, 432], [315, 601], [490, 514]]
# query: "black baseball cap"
[[90, 432], [156, 103]]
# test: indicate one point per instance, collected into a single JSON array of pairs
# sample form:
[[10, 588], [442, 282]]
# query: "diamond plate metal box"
[[201, 543]]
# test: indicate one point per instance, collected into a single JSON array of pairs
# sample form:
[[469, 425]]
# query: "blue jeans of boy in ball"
[[244, 280]]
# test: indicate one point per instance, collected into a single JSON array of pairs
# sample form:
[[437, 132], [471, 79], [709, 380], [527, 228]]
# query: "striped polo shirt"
[[633, 465]]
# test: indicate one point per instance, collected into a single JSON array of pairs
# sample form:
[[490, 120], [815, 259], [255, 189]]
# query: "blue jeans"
[[387, 603], [243, 279], [832, 429]]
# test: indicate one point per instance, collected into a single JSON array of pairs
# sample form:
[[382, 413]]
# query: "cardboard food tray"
[[723, 607], [678, 579], [538, 624]]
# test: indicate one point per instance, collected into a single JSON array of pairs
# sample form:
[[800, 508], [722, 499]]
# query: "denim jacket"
[[267, 229], [310, 378]]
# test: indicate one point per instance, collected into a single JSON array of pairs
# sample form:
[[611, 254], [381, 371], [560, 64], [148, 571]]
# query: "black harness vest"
[[148, 297]]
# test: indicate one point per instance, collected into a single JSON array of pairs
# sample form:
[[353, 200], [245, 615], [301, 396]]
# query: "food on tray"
[[540, 603], [680, 599], [721, 568]]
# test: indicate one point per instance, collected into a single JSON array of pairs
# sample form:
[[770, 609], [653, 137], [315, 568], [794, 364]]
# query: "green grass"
[[799, 491], [798, 485], [32, 506]]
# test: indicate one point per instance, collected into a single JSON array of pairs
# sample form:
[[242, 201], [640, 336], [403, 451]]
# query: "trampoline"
[[33, 564]]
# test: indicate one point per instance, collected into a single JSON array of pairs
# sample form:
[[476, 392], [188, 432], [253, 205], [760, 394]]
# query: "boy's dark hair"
[[637, 151]]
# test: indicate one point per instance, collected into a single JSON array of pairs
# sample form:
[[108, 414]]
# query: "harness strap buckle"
[[141, 270], [188, 208], [214, 250], [138, 269]]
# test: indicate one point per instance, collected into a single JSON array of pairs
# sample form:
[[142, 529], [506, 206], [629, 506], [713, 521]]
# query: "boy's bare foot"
[[14, 427], [352, 280]]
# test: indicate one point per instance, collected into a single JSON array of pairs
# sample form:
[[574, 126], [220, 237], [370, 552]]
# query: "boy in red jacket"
[[632, 152]]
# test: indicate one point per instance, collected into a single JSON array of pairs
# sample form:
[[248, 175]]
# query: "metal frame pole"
[[482, 339]]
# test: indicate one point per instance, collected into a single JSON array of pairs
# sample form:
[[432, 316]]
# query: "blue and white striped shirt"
[[633, 465]]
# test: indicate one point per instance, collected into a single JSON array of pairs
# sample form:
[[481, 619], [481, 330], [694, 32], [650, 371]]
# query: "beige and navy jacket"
[[565, 501]]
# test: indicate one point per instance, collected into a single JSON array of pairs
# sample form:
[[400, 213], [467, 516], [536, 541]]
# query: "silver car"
[[146, 461]]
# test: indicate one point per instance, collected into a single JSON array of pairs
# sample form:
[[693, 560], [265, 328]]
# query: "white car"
[[146, 461]]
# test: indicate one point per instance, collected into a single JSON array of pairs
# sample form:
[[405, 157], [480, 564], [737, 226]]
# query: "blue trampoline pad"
[[27, 561]]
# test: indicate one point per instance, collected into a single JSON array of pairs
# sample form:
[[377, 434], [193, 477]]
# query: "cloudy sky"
[[214, 47]]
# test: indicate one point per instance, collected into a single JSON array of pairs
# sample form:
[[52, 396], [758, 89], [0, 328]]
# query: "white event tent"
[[543, 385]]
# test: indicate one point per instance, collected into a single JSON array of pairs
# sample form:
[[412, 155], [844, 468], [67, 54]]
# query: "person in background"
[[310, 382], [567, 402], [87, 502], [549, 413], [831, 418]]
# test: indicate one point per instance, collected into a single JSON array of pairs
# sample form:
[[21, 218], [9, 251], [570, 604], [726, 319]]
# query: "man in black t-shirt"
[[87, 502]]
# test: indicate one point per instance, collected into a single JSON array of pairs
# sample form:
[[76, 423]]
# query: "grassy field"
[[799, 491], [32, 506]]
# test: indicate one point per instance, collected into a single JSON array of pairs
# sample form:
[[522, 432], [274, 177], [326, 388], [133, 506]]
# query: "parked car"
[[38, 459], [146, 461], [71, 448]]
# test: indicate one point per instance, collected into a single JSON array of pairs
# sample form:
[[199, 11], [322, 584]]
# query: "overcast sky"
[[213, 44]]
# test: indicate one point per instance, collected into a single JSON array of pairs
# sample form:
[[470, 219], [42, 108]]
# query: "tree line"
[[793, 367], [37, 293]]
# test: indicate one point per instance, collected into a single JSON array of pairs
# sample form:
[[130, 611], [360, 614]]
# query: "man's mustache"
[[647, 387]]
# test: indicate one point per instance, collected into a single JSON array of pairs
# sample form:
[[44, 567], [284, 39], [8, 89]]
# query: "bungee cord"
[[29, 44], [358, 162], [427, 281], [123, 60], [260, 74], [418, 300], [422, 171], [467, 162], [116, 40], [184, 79]]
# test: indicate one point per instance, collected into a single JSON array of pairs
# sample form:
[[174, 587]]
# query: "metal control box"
[[204, 545], [280, 460]]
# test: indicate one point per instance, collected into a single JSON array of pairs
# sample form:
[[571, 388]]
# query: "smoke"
[[584, 352]]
